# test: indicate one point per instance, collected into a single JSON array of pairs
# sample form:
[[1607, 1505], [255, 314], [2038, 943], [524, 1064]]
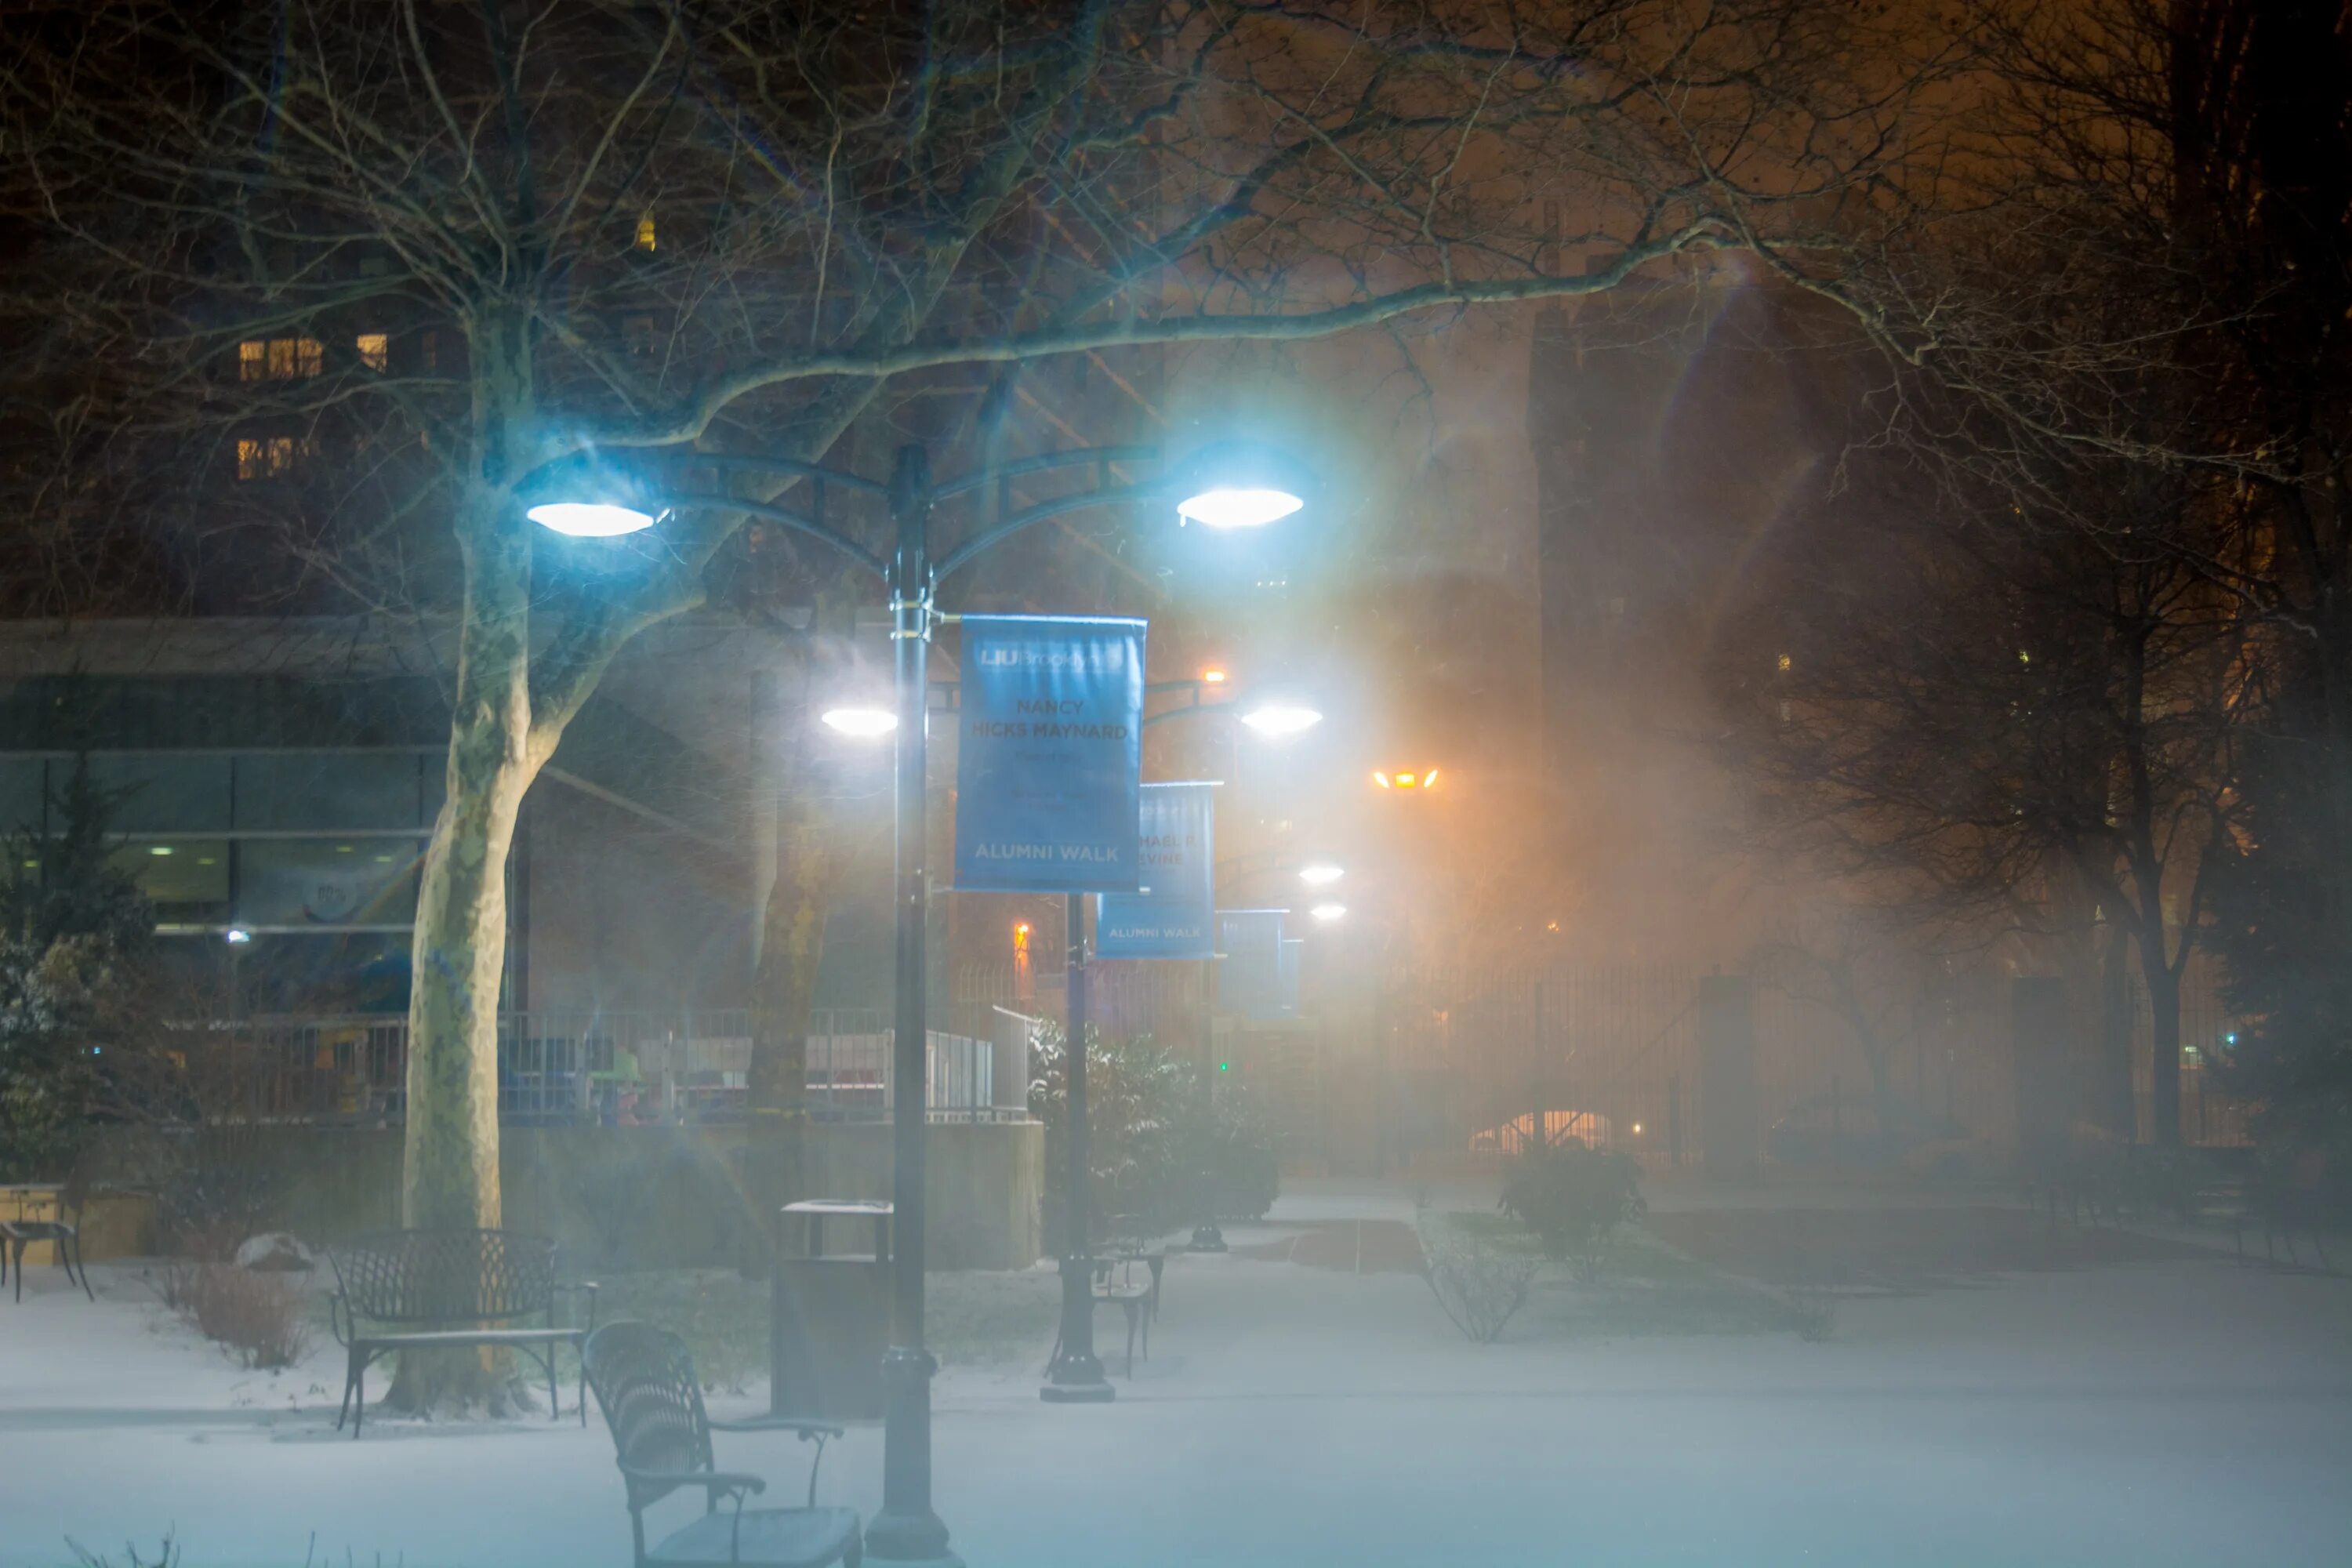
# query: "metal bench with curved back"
[[651, 1402], [431, 1289]]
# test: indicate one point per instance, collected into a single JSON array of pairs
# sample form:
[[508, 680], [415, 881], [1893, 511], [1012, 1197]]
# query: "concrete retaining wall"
[[663, 1196]]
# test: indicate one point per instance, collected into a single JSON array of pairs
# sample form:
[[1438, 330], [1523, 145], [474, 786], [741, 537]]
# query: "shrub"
[[257, 1316], [1812, 1313], [1572, 1197], [1149, 1146], [1478, 1287]]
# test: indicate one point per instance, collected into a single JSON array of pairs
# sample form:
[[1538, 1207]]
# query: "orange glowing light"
[[1212, 678], [1405, 780], [1021, 936]]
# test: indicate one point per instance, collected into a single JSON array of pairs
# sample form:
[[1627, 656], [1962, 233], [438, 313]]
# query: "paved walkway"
[[1306, 1404]]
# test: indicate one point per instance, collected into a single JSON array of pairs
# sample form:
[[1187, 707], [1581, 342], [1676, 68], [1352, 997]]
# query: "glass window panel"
[[164, 794], [187, 878], [326, 789], [327, 882], [20, 795]]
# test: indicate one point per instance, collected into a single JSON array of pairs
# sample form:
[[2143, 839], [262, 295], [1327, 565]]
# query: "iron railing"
[[578, 1068]]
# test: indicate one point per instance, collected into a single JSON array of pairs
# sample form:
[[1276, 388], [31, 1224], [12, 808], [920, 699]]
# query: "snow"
[[2186, 1411]]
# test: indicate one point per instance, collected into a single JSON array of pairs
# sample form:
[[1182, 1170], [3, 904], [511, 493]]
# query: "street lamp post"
[[1275, 720], [908, 1530], [1076, 1375]]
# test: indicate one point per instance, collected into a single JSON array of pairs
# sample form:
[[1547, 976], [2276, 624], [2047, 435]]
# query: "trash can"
[[829, 1313]]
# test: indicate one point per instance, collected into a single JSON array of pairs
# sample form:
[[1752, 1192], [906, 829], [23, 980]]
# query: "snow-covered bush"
[[1480, 1288], [1572, 1197]]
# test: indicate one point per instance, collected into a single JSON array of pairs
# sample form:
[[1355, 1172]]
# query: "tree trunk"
[[449, 1170], [2110, 1100], [2164, 1067], [808, 864]]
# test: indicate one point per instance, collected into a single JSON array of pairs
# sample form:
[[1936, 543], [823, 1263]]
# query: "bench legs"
[[354, 1392], [12, 1252]]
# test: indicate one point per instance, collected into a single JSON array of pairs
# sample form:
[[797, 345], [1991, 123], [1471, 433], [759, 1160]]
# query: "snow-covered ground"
[[2187, 1411]]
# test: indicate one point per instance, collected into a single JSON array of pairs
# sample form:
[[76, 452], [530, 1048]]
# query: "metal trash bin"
[[829, 1315]]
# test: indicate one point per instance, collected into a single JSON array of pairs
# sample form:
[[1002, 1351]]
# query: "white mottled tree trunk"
[[450, 1159]]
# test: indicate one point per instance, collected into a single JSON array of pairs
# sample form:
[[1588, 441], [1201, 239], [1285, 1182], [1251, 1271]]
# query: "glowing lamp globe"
[[860, 723], [1277, 719], [1238, 484], [590, 520]]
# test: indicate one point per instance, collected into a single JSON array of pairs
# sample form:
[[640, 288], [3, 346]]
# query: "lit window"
[[266, 457], [375, 349], [251, 360], [645, 231], [284, 358], [1784, 664]]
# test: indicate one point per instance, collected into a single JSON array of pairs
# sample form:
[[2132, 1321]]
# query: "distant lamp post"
[[1322, 874], [1423, 779], [1212, 676], [1328, 914], [860, 723]]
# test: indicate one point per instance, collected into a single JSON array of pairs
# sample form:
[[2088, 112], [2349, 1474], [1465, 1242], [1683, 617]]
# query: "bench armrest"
[[711, 1480], [781, 1424], [818, 1432], [340, 1322], [587, 1288]]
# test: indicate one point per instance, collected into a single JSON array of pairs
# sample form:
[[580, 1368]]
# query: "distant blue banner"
[[1049, 771], [1249, 961], [1285, 1004], [1172, 914]]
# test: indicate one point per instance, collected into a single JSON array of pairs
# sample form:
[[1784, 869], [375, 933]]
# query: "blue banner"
[[1050, 765], [1171, 915], [1249, 961]]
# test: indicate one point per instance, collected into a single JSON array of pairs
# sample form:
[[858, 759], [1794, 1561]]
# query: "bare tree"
[[430, 256]]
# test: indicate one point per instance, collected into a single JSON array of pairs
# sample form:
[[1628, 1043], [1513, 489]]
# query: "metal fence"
[[1611, 1056], [613, 1068]]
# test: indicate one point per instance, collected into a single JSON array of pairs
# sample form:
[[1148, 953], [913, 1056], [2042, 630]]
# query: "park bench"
[[432, 1290], [2281, 1197], [652, 1404], [1132, 1284], [61, 1227]]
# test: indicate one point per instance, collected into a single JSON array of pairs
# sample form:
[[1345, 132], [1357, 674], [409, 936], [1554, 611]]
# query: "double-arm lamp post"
[[1232, 486]]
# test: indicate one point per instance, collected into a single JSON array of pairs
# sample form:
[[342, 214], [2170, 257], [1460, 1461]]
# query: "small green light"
[[1225, 1067]]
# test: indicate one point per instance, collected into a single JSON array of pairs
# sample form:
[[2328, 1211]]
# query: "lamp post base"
[[914, 1541], [1075, 1376], [1207, 1237], [1095, 1393]]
